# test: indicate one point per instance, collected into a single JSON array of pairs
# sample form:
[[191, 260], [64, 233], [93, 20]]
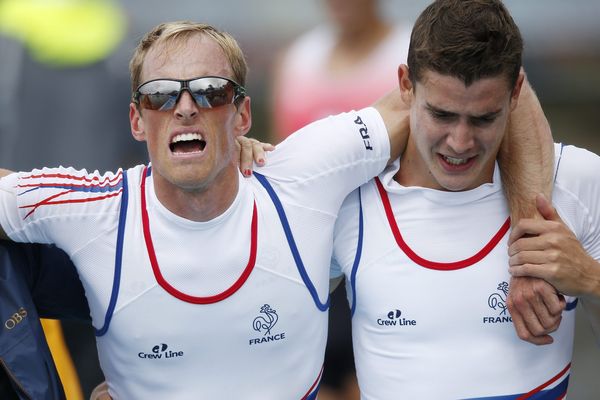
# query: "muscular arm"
[[395, 112], [527, 156], [526, 163]]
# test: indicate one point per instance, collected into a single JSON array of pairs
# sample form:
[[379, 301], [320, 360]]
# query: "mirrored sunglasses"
[[207, 91]]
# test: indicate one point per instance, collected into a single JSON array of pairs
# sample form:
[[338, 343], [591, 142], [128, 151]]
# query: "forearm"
[[527, 156], [395, 111]]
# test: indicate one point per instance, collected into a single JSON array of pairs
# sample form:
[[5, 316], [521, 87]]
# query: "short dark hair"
[[466, 39]]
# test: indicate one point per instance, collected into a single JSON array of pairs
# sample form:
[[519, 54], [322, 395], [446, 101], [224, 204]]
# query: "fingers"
[[526, 228], [548, 304], [546, 208], [251, 150], [246, 150], [533, 227], [527, 270], [536, 309], [534, 257], [525, 244], [259, 150], [526, 324], [556, 304], [524, 333]]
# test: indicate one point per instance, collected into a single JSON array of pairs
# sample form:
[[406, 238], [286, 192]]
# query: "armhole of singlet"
[[572, 304], [118, 258], [292, 243], [358, 253], [562, 146]]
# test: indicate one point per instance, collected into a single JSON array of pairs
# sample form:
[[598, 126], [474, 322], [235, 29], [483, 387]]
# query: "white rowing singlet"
[[232, 308], [427, 273]]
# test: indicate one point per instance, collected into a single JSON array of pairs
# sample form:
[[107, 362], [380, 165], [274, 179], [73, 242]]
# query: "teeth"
[[185, 137], [455, 161]]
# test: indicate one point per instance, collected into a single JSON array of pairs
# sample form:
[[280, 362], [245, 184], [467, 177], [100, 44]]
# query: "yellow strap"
[[62, 359]]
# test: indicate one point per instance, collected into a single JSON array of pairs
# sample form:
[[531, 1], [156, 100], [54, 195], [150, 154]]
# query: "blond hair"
[[179, 32]]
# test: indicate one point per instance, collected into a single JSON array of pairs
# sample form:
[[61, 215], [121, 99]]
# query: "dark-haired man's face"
[[456, 131]]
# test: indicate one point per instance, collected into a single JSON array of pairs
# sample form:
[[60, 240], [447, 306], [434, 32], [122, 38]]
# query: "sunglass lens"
[[212, 92], [157, 101], [208, 92], [159, 94]]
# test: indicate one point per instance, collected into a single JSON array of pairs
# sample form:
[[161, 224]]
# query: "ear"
[[514, 96], [137, 123], [243, 118], [406, 86]]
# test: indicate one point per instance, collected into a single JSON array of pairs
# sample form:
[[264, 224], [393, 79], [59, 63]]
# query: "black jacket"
[[35, 281]]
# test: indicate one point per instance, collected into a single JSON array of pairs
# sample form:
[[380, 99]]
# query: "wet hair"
[[466, 39]]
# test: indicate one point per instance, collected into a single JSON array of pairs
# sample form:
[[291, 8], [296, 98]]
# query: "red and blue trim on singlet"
[[312, 392], [322, 306], [196, 299], [314, 389], [558, 392], [156, 268], [102, 189], [118, 259], [440, 266]]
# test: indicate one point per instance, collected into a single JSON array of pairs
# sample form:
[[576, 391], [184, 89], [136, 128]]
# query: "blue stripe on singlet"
[[570, 306], [314, 394], [118, 259], [292, 243], [555, 393], [358, 253], [562, 146]]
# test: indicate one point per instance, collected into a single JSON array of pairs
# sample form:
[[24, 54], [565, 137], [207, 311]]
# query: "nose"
[[460, 139], [186, 107]]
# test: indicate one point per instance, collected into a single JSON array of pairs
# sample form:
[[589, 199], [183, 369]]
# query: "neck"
[[198, 204], [410, 165]]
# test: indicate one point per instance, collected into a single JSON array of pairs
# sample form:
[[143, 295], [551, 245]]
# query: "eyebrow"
[[491, 114]]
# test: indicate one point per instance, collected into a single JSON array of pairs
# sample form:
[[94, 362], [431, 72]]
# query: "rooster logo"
[[266, 321], [497, 301]]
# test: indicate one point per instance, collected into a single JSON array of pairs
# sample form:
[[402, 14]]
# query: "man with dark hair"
[[424, 245]]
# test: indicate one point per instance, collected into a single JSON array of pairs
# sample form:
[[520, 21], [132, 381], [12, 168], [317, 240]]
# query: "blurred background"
[[64, 90]]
